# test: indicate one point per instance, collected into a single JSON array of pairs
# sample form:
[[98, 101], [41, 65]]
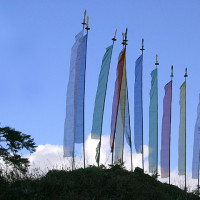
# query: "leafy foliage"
[[11, 142], [93, 184]]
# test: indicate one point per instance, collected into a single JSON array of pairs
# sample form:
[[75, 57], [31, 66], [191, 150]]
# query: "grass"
[[91, 183]]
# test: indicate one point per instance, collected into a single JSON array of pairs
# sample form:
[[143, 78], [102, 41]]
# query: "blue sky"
[[35, 43]]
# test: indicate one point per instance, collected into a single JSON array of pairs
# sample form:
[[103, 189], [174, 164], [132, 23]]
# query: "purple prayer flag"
[[166, 131]]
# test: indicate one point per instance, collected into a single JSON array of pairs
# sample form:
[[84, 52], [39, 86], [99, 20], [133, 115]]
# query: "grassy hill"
[[92, 183]]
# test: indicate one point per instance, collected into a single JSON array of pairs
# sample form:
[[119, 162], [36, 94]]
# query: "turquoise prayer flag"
[[153, 123]]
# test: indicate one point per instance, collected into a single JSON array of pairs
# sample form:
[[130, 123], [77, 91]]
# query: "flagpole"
[[172, 75], [198, 178], [113, 39], [142, 49], [157, 116], [124, 45], [87, 28], [73, 161], [114, 140], [129, 112], [130, 130], [186, 75]]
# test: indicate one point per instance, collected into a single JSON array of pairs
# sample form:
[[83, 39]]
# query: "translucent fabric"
[[182, 131], [123, 119], [116, 97], [138, 113], [101, 95], [119, 139], [166, 131], [196, 146], [127, 129], [153, 123], [119, 135], [74, 102], [80, 93]]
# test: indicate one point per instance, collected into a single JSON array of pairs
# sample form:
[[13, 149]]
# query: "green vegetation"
[[91, 183], [11, 142]]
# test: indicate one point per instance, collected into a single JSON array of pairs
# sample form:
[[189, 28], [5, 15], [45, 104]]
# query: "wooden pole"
[[142, 49], [73, 160], [185, 127], [87, 28], [172, 75], [157, 118], [124, 45]]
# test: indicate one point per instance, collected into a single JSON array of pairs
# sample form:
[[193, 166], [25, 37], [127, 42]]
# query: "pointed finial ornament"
[[172, 75], [142, 49], [186, 75], [125, 37], [87, 26], [156, 60], [114, 39], [84, 19]]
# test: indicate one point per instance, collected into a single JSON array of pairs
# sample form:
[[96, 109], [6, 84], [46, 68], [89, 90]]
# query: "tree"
[[11, 142]]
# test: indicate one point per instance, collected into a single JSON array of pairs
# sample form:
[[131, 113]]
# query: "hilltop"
[[92, 183]]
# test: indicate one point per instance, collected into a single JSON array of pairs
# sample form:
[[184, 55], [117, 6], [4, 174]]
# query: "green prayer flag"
[[153, 123]]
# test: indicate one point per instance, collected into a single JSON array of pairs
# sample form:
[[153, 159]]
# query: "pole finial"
[[142, 49], [125, 37], [84, 19], [186, 75], [172, 75], [87, 25], [156, 60], [114, 39]]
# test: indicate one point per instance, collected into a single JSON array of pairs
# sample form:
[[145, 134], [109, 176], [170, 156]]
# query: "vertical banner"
[[101, 95], [69, 127], [127, 128], [74, 121], [166, 131], [182, 131], [116, 97], [123, 119], [153, 123], [119, 133], [80, 94], [196, 145], [138, 113]]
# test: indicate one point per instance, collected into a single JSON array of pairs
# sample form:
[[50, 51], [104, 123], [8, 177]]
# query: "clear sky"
[[35, 43]]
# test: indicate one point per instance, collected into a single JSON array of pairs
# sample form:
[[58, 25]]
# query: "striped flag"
[[116, 98], [122, 120]]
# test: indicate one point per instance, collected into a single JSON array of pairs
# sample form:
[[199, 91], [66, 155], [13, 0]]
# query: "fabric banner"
[[116, 97], [127, 128], [196, 146], [166, 131], [138, 112], [153, 123], [123, 119], [79, 94], [101, 95], [182, 131], [74, 93], [119, 133]]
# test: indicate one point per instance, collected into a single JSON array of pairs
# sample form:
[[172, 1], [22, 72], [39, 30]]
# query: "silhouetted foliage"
[[11, 142], [93, 184]]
